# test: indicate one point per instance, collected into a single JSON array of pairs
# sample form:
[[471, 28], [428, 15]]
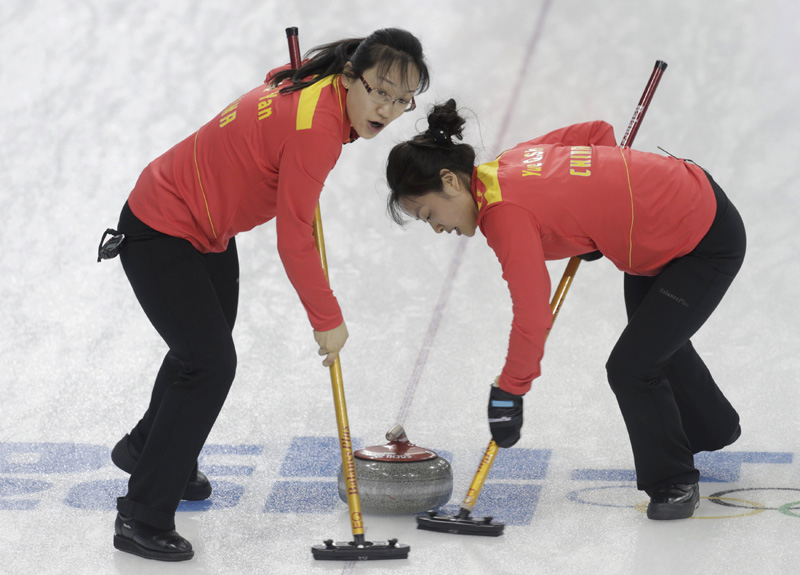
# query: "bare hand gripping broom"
[[463, 523], [358, 549]]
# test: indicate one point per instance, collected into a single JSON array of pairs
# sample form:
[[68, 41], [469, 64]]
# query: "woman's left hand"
[[331, 342], [505, 416]]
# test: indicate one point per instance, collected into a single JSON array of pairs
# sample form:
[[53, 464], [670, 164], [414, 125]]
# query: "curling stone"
[[400, 478]]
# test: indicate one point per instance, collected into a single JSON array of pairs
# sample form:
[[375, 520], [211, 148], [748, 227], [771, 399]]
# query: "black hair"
[[386, 48], [414, 167]]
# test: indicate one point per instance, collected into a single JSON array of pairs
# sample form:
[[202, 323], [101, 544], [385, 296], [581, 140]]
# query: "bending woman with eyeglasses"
[[265, 156], [574, 192]]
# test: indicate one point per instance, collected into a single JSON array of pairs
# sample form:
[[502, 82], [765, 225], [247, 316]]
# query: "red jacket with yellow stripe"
[[571, 192], [265, 156]]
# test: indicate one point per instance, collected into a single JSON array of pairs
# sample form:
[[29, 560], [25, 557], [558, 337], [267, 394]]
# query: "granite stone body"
[[400, 478]]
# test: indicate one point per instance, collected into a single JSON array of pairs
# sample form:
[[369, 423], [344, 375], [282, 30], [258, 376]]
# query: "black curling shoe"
[[125, 457], [145, 541], [674, 502]]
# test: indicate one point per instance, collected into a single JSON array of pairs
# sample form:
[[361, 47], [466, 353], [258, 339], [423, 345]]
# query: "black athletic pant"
[[670, 403], [191, 299]]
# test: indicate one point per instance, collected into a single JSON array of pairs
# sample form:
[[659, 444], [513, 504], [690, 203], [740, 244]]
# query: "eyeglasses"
[[380, 97]]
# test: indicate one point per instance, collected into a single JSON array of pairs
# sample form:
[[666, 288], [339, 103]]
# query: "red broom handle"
[[294, 47], [644, 103]]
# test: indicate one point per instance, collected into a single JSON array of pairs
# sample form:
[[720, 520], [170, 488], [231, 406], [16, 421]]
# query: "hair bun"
[[444, 123], [439, 136]]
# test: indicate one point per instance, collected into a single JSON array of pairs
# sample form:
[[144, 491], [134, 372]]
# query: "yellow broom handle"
[[480, 476], [563, 287], [345, 441], [346, 448], [491, 451]]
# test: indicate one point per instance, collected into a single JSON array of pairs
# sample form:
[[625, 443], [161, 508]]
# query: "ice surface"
[[91, 91]]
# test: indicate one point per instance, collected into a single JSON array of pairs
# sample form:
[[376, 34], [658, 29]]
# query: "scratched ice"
[[94, 90]]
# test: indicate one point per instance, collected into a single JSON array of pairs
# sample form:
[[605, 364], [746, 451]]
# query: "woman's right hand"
[[331, 342]]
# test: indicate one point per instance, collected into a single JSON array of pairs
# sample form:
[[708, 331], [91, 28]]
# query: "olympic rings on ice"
[[787, 508], [748, 507]]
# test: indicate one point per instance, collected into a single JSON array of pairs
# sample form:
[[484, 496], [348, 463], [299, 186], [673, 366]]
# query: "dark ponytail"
[[414, 167], [385, 49]]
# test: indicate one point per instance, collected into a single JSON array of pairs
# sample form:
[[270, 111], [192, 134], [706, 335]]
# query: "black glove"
[[591, 256], [505, 416]]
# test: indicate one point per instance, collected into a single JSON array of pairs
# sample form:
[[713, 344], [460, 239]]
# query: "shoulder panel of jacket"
[[309, 98], [487, 174]]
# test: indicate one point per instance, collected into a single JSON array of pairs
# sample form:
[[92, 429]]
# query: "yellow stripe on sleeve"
[[309, 97]]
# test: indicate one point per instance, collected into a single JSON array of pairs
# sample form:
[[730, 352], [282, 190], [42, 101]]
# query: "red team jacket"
[[574, 191], [265, 156]]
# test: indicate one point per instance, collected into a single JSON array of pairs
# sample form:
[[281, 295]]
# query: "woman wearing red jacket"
[[265, 156], [574, 192]]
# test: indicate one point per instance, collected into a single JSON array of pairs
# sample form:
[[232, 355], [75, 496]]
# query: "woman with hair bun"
[[265, 156], [662, 221]]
